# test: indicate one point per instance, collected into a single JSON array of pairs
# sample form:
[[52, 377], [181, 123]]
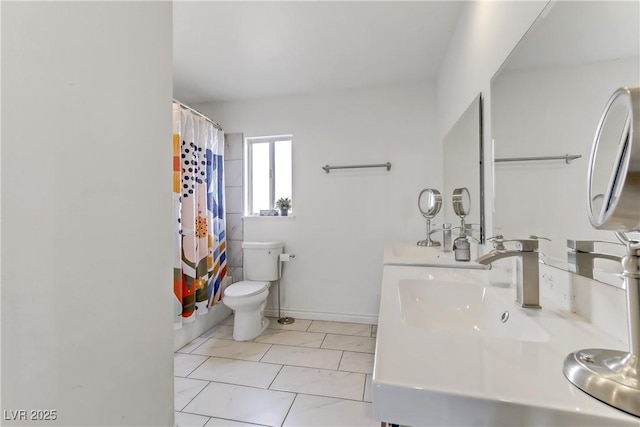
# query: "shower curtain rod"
[[215, 125]]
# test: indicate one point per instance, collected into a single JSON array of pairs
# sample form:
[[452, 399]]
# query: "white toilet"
[[248, 298]]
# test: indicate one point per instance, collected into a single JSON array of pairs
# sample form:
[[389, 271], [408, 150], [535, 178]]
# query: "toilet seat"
[[246, 288]]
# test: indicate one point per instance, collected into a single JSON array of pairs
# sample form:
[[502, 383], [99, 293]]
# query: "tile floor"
[[310, 373]]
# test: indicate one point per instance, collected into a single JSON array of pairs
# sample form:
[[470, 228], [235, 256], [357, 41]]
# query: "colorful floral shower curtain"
[[198, 200]]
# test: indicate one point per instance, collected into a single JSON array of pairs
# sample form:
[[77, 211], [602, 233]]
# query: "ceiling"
[[243, 50], [576, 32]]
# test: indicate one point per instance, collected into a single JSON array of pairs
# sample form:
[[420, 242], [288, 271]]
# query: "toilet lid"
[[246, 288]]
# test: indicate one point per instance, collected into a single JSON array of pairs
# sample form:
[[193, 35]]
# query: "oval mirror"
[[461, 202], [614, 166], [429, 202]]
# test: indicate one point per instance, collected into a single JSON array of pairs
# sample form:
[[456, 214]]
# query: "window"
[[268, 172]]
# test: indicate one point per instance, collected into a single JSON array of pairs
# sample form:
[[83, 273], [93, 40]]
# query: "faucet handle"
[[533, 236]]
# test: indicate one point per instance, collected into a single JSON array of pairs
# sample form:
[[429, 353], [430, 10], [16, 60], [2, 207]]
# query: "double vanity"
[[454, 349], [459, 344]]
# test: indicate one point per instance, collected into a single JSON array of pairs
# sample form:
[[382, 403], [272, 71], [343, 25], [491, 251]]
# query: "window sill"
[[268, 218]]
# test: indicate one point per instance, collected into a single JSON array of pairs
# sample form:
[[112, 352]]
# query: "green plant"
[[283, 203]]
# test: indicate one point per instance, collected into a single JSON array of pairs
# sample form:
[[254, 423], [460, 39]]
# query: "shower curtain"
[[198, 201]]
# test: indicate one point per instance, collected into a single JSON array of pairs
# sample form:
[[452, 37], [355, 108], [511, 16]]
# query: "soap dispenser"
[[462, 248], [504, 272]]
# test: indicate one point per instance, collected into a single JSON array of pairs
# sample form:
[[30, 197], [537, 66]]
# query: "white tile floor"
[[310, 373]]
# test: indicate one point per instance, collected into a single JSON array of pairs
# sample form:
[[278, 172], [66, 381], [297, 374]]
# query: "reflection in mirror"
[[461, 202], [546, 100], [462, 154], [601, 263]]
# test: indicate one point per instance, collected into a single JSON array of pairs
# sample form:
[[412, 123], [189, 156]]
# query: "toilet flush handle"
[[286, 257]]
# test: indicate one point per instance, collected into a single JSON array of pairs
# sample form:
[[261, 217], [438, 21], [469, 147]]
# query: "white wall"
[[343, 219], [485, 35], [86, 213]]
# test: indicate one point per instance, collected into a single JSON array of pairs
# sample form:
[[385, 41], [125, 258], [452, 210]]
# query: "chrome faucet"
[[528, 286], [581, 256], [447, 244]]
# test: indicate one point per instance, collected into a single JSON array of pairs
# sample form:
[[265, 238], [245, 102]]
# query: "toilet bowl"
[[248, 298]]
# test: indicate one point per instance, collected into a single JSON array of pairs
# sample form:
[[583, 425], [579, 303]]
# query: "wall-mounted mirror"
[[546, 101], [462, 153]]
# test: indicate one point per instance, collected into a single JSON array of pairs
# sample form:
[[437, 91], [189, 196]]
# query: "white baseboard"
[[319, 315]]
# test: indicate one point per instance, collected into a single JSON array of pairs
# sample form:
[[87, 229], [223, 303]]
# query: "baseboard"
[[319, 315]]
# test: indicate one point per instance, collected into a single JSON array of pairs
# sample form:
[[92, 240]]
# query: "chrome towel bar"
[[387, 165], [567, 158]]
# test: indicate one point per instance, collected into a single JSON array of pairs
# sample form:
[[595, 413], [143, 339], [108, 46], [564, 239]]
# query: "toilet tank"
[[261, 260]]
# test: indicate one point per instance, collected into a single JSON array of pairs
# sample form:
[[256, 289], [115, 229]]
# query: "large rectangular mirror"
[[546, 101], [462, 154]]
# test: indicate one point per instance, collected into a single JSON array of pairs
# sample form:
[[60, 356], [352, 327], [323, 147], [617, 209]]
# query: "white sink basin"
[[414, 255], [443, 357], [464, 308]]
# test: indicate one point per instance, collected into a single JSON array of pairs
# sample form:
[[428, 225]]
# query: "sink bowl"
[[444, 357], [464, 308]]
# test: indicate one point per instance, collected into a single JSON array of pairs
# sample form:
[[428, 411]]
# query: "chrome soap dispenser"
[[462, 248]]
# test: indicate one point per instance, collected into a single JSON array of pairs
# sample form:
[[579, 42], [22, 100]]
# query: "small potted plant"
[[284, 204]]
